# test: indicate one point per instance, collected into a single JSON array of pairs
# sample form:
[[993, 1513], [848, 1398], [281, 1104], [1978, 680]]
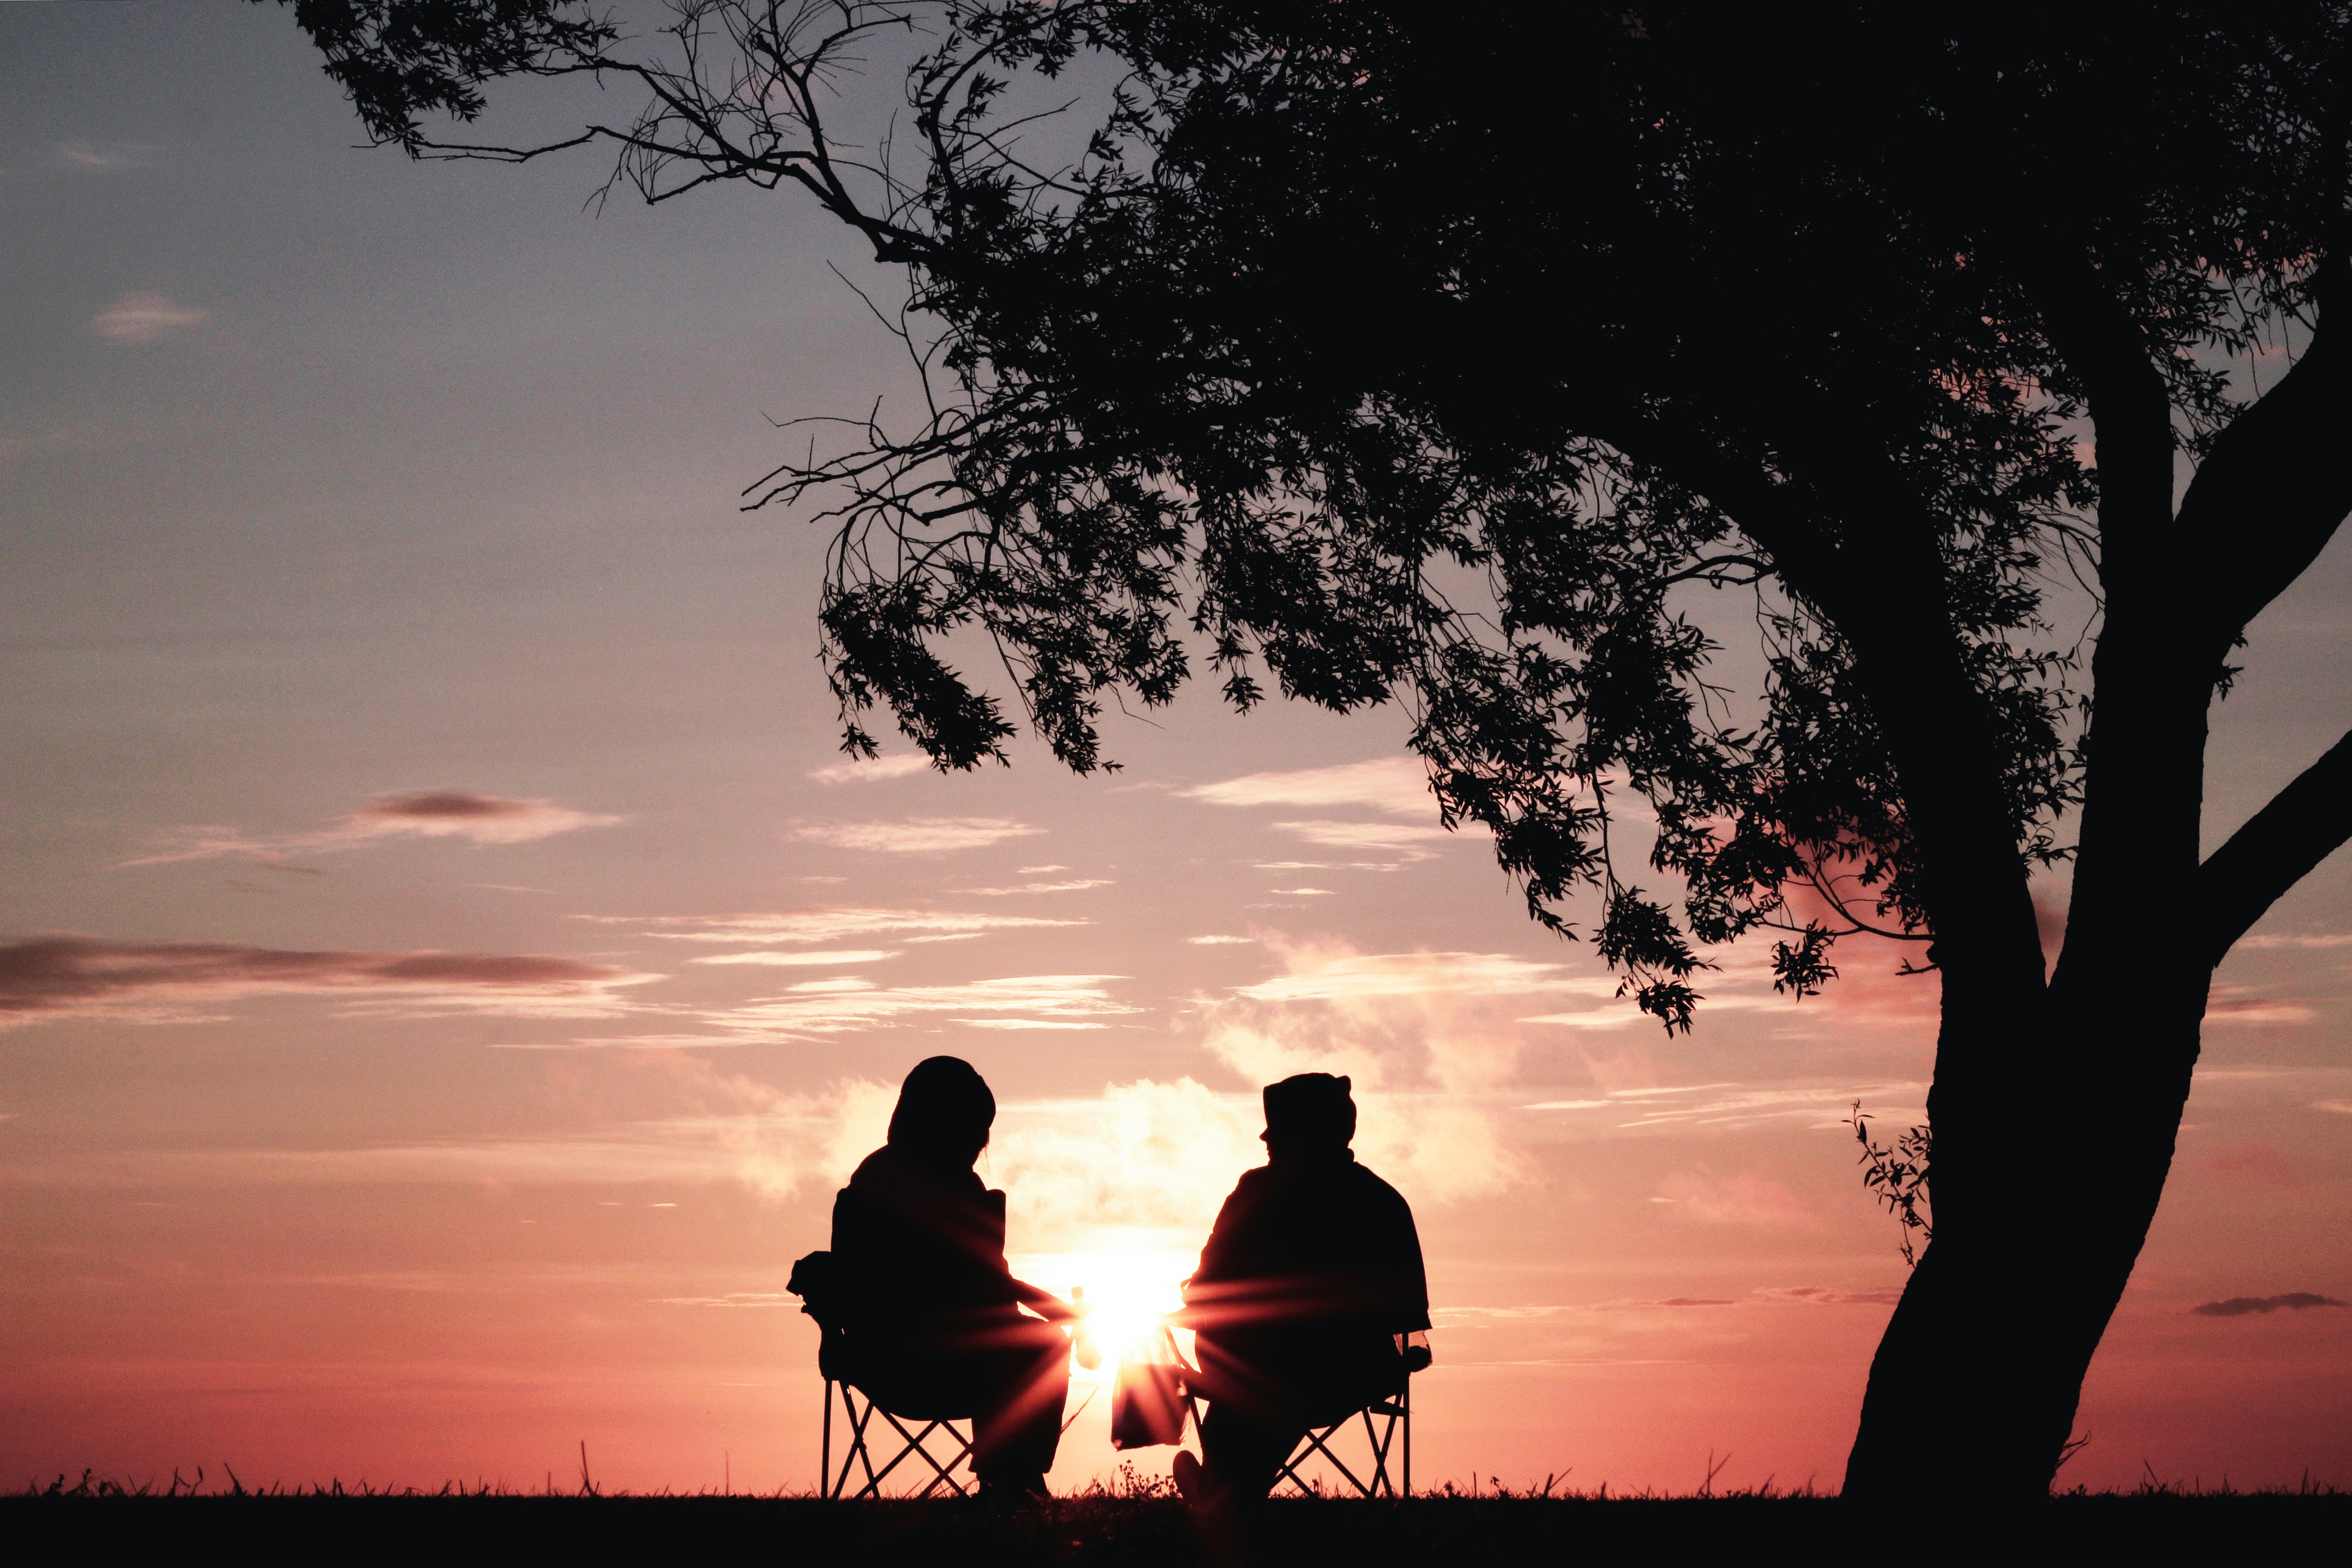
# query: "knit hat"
[[1309, 1109]]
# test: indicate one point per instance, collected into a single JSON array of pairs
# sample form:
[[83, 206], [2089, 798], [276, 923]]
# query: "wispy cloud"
[[101, 157], [2268, 942], [173, 982], [1302, 892], [2245, 1306], [836, 924], [2256, 1164], [1734, 1105], [146, 318], [1744, 1199], [849, 1004], [410, 813], [2241, 1006], [843, 1005], [1823, 1296], [881, 768], [1076, 885], [1327, 975], [823, 955], [1381, 838], [918, 835], [1221, 941], [1395, 784], [635, 1157]]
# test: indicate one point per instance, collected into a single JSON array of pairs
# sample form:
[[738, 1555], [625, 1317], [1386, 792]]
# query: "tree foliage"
[[1377, 352]]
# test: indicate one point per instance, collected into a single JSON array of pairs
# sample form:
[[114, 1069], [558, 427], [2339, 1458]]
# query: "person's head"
[[1310, 1113], [944, 1114]]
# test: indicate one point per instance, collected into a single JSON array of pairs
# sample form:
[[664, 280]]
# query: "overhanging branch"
[[2276, 849]]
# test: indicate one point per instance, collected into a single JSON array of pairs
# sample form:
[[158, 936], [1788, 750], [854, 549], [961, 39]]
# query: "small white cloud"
[[1302, 892], [146, 318], [896, 766], [1395, 784], [918, 835], [1220, 941], [1074, 886], [1036, 870], [2270, 942]]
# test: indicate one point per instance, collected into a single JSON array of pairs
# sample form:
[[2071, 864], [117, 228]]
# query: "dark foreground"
[[1427, 1531]]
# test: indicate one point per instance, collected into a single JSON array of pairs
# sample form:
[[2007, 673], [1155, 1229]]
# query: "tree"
[[1397, 354]]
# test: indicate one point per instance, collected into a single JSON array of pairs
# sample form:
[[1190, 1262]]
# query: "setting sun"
[[1128, 1287]]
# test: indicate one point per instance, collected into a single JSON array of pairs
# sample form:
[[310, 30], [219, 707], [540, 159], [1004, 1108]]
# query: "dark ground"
[[1149, 1531]]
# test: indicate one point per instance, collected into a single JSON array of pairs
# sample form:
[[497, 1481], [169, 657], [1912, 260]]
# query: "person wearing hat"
[[930, 1317], [1307, 1288]]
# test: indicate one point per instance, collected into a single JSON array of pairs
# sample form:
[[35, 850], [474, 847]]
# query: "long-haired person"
[[935, 1317]]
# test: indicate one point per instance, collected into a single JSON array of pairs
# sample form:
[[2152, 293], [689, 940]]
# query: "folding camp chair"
[[1388, 1431], [814, 1281], [860, 1438]]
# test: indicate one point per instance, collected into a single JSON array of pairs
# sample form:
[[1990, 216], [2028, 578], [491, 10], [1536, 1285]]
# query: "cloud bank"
[[2242, 1306], [170, 982]]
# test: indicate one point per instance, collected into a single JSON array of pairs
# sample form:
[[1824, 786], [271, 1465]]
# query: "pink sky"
[[448, 966]]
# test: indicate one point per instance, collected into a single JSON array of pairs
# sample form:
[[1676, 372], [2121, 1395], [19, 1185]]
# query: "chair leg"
[[1405, 1399], [857, 1448], [1316, 1442]]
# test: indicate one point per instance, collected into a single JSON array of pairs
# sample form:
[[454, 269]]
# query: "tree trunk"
[[1975, 1384]]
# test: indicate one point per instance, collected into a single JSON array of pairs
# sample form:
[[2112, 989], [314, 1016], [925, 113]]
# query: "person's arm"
[[1043, 1302]]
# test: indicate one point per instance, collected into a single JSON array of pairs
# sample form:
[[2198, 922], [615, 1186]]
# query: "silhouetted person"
[[1306, 1286], [929, 1315]]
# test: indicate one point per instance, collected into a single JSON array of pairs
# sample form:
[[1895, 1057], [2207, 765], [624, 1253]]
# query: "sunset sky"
[[447, 966]]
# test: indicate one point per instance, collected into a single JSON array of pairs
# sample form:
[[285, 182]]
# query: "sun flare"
[[1125, 1288]]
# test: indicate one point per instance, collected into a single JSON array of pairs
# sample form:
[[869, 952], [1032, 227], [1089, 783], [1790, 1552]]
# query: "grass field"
[[1147, 1529]]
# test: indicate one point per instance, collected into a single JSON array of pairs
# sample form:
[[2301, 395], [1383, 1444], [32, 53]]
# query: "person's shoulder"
[[1369, 1185], [877, 1167]]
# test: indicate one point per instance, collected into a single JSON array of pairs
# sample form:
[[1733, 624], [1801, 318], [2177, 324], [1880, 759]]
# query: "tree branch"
[[2276, 849], [2274, 490]]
